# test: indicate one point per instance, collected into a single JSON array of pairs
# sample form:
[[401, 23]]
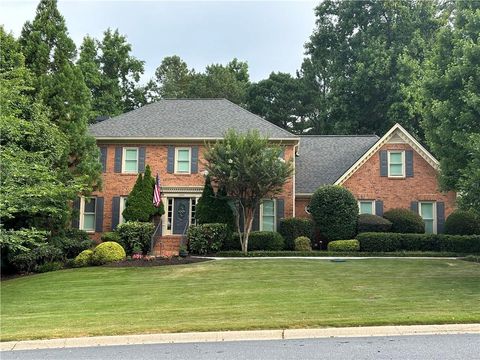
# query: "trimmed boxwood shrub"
[[134, 234], [303, 243], [261, 240], [373, 223], [83, 259], [292, 228], [107, 252], [405, 221], [462, 222], [344, 245], [207, 238], [335, 211], [386, 242]]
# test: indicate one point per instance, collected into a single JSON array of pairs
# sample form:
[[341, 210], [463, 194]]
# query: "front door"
[[181, 215]]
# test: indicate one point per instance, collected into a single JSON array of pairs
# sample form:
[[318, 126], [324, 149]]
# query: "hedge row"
[[386, 242], [287, 253]]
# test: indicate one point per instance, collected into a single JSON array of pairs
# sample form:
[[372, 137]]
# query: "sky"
[[269, 35]]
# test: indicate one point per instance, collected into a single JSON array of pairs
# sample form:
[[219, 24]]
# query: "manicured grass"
[[240, 294]]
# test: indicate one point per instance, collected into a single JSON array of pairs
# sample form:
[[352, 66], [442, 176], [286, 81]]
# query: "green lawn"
[[239, 294]]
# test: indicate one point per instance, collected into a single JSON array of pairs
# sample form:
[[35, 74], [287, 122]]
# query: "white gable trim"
[[399, 130]]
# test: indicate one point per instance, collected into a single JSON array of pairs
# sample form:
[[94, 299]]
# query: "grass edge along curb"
[[336, 253]]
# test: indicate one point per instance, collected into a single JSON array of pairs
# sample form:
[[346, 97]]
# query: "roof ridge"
[[363, 135], [261, 118]]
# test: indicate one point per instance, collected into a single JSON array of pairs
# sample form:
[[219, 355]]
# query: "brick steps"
[[167, 245]]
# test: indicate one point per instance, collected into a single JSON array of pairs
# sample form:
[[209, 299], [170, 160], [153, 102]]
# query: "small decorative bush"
[[83, 259], [303, 243], [50, 266], [265, 240], [373, 223], [107, 252], [462, 222], [344, 245], [111, 236], [207, 238], [292, 228], [405, 221], [133, 233], [334, 210]]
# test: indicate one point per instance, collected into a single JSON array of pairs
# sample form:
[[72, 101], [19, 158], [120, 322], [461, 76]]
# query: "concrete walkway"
[[241, 336], [326, 257]]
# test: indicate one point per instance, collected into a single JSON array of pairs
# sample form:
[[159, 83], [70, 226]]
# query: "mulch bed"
[[157, 262]]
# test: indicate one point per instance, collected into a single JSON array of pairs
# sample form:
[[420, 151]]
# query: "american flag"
[[157, 193]]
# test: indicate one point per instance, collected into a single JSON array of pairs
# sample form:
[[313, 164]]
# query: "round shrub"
[[83, 259], [292, 228], [302, 243], [107, 252], [135, 234], [462, 222], [265, 240], [335, 211], [405, 221], [207, 238], [344, 245], [373, 223]]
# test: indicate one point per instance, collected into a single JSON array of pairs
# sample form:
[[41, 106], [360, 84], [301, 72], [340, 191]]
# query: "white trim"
[[177, 149], [201, 139], [366, 201], [402, 152], [124, 158], [172, 196], [81, 221], [434, 213], [260, 216], [409, 139]]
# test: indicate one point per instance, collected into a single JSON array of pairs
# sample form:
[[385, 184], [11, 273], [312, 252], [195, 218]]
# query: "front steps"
[[167, 245]]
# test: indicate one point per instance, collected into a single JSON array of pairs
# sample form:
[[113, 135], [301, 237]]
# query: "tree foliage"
[[450, 95], [214, 208], [249, 168]]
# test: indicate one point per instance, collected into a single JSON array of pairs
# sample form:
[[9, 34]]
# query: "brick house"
[[170, 135]]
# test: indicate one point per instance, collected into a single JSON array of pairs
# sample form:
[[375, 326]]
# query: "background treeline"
[[367, 65]]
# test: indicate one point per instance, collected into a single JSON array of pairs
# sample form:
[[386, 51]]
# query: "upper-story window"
[[87, 214], [182, 160], [366, 207], [130, 160], [267, 215], [396, 164]]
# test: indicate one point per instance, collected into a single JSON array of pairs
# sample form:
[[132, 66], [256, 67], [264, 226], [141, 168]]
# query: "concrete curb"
[[218, 336], [327, 257]]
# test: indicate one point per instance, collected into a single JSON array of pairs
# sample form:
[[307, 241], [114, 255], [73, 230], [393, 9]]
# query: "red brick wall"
[[366, 183], [118, 184]]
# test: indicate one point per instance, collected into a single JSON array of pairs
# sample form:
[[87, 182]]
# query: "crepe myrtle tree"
[[249, 167]]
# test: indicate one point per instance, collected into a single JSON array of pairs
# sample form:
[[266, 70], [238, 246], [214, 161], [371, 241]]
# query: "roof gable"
[[396, 134], [185, 119]]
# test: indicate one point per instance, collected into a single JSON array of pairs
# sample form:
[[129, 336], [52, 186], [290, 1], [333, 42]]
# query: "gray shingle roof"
[[323, 159], [186, 118]]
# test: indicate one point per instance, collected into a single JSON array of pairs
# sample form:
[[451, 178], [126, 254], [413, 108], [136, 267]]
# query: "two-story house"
[[170, 136]]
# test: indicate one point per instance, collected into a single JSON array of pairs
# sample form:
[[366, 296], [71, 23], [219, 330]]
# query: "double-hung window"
[[182, 160], [267, 215], [396, 164], [130, 160], [87, 214], [366, 207], [427, 212]]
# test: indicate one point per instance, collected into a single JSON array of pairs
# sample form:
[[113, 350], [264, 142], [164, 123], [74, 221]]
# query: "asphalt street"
[[465, 347]]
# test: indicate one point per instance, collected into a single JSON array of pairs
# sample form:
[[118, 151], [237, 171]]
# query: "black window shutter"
[[440, 217], [103, 158], [194, 161], [171, 159], [383, 163], [76, 213], [141, 159], [379, 207], [115, 211], [99, 214], [118, 159], [409, 163], [280, 212], [414, 206], [256, 219]]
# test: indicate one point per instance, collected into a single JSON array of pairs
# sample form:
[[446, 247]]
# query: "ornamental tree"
[[249, 168], [214, 208]]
